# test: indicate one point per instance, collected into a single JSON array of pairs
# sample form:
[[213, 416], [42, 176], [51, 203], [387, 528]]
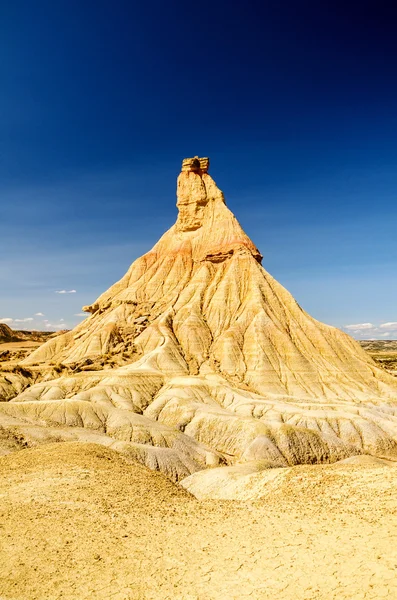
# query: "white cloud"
[[38, 314], [61, 320], [6, 320], [80, 315], [392, 326], [359, 326], [55, 326], [368, 331], [23, 320], [65, 291]]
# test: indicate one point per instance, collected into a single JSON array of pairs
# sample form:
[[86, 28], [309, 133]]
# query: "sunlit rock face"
[[216, 363]]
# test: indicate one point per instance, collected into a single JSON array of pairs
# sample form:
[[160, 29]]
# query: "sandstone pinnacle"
[[207, 359]]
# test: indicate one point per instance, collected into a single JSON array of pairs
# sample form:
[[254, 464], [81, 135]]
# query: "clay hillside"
[[8, 335], [206, 360]]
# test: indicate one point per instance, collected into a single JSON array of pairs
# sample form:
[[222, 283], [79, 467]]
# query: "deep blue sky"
[[294, 102]]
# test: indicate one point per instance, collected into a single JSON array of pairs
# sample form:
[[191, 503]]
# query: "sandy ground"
[[19, 345], [78, 522], [11, 353]]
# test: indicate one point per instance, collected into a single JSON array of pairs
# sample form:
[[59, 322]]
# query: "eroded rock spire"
[[195, 189], [215, 360]]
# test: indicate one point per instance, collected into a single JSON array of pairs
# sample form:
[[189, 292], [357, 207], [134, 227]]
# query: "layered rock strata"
[[220, 363]]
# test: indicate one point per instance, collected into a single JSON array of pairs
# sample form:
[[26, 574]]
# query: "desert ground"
[[17, 345], [79, 522]]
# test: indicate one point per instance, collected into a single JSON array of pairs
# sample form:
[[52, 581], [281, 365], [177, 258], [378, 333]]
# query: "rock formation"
[[9, 335], [216, 361]]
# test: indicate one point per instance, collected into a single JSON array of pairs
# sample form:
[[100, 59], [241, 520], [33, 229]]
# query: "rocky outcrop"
[[7, 334], [210, 346], [196, 165]]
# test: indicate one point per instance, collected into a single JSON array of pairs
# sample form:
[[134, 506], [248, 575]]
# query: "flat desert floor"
[[78, 522]]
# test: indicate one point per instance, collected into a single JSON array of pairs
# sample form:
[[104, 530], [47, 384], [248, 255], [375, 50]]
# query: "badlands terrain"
[[274, 436], [384, 352]]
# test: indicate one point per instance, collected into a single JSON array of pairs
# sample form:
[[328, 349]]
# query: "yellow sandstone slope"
[[221, 365]]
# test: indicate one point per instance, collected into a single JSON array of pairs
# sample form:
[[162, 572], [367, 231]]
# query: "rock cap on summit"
[[196, 164]]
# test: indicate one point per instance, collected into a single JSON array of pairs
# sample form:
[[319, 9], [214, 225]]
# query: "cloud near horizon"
[[9, 320], [360, 326], [66, 291], [55, 326], [392, 326], [365, 331], [24, 320]]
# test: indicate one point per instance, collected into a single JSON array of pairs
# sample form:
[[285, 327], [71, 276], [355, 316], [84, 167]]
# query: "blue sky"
[[295, 103]]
